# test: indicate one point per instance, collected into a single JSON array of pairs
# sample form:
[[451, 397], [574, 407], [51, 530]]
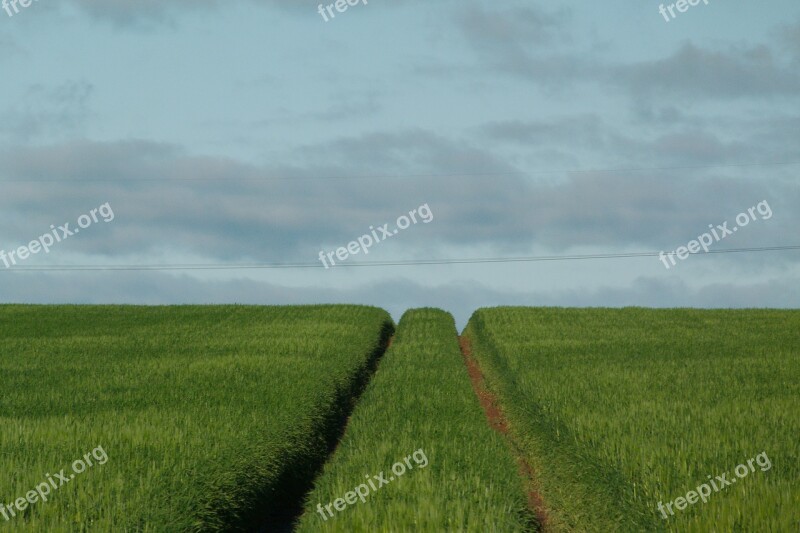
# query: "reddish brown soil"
[[498, 421], [487, 400]]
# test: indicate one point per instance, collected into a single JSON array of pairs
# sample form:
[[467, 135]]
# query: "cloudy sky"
[[257, 133]]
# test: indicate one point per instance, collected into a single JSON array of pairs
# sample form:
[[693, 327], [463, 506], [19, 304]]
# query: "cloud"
[[511, 29], [700, 74], [689, 142], [789, 36], [396, 296], [47, 111], [10, 48], [523, 41], [148, 13], [527, 43], [582, 128], [227, 211], [124, 13]]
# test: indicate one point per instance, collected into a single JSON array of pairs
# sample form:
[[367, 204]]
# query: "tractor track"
[[499, 422]]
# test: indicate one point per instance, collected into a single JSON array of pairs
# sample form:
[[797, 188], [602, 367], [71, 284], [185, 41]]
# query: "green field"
[[222, 418], [618, 410], [421, 399], [210, 417]]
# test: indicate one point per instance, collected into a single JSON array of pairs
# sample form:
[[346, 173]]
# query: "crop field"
[[226, 418], [620, 409], [209, 417], [421, 399]]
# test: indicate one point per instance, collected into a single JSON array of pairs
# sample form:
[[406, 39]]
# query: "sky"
[[262, 134]]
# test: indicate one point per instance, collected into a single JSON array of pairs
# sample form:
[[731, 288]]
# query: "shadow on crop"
[[284, 508]]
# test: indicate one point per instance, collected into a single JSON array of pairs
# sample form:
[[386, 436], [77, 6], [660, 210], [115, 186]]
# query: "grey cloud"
[[10, 48], [224, 210], [344, 107], [688, 142], [47, 111], [406, 152], [690, 72], [511, 29], [139, 12], [790, 38], [693, 72], [396, 295], [699, 147], [347, 109], [778, 134], [584, 130], [524, 45], [149, 13], [520, 41]]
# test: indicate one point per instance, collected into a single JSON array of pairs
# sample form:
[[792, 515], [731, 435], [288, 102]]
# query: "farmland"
[[421, 399], [618, 410], [219, 418], [211, 417]]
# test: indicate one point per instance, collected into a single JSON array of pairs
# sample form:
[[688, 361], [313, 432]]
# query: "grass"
[[620, 409], [420, 400], [211, 417]]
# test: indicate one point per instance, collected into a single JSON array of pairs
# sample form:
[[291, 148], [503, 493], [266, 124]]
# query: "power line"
[[421, 262], [406, 176]]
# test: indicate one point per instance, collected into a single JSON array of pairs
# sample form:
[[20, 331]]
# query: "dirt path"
[[498, 421]]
